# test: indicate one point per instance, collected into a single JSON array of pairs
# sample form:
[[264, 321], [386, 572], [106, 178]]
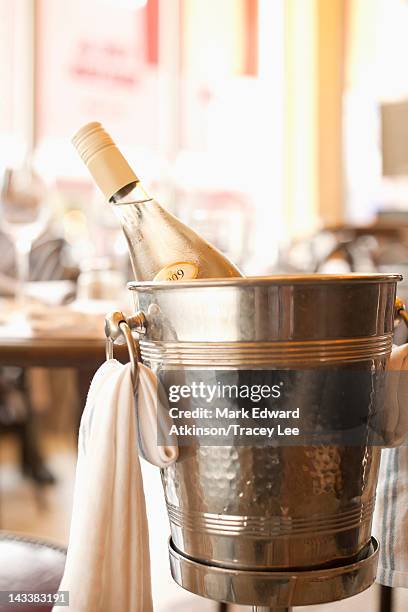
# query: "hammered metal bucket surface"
[[269, 507]]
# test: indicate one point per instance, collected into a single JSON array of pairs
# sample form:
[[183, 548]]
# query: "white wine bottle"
[[161, 247]]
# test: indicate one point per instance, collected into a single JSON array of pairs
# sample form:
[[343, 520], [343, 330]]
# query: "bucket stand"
[[272, 591]]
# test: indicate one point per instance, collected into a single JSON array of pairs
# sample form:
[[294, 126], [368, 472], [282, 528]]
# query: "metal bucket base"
[[274, 589]]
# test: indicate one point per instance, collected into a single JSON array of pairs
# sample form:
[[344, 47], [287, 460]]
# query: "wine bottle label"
[[181, 270]]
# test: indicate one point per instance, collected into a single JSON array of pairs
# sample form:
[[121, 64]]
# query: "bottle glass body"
[[161, 247]]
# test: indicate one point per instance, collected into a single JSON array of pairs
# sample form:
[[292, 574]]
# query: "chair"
[[28, 564]]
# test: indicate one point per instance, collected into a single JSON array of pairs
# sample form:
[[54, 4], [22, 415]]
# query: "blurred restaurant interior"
[[277, 129]]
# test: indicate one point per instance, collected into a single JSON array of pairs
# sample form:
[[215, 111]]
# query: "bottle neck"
[[134, 193]]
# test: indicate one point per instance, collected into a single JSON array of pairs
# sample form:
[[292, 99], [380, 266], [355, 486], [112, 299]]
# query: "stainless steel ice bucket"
[[270, 507]]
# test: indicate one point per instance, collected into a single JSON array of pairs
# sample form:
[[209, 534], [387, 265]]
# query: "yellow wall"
[[314, 57], [330, 84]]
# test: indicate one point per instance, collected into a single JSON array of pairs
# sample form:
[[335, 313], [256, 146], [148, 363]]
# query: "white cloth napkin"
[[390, 524], [395, 425], [108, 561], [153, 421]]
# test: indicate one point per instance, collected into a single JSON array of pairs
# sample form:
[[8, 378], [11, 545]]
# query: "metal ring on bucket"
[[116, 325]]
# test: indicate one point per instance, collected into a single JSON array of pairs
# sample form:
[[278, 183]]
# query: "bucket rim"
[[278, 279]]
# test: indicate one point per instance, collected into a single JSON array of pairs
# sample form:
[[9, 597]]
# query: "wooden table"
[[80, 346], [57, 352], [54, 337], [85, 355]]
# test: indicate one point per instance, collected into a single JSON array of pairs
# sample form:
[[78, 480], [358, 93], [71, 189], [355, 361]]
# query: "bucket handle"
[[118, 326], [400, 310]]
